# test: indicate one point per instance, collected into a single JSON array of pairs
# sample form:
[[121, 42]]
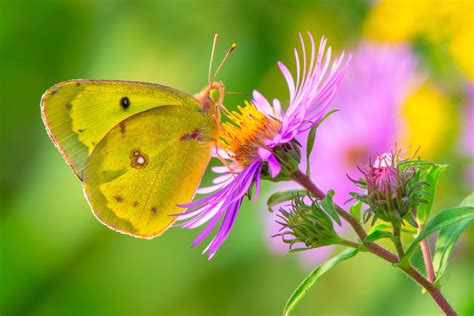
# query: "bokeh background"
[[56, 258]]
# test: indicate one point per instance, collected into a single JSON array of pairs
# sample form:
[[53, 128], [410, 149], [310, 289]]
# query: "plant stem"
[[349, 243], [397, 241], [430, 288], [306, 182], [425, 250]]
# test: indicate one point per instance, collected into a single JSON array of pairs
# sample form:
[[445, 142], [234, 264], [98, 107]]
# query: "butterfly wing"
[[146, 165], [78, 113]]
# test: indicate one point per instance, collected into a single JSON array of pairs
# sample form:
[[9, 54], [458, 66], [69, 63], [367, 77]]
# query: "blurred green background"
[[56, 258]]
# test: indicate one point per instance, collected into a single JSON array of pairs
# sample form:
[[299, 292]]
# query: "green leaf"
[[468, 201], [447, 238], [309, 149], [443, 219], [329, 207], [355, 210], [416, 163], [378, 231], [431, 177], [427, 172], [283, 196], [376, 235], [314, 276], [409, 230], [310, 141], [380, 227]]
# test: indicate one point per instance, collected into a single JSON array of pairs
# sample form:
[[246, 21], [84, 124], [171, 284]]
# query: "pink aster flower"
[[382, 175], [369, 122], [257, 133]]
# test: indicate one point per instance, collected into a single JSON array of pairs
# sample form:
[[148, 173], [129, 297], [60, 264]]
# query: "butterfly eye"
[[214, 94]]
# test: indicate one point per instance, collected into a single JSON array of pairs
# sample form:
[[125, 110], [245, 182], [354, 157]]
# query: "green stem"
[[379, 251], [397, 240]]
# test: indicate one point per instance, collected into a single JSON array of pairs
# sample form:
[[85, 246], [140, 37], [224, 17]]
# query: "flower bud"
[[382, 177], [391, 191], [306, 223]]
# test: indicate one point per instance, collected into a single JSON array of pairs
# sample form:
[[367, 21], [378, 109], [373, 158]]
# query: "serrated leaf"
[[314, 276], [283, 196], [447, 239], [329, 207], [443, 219], [355, 210]]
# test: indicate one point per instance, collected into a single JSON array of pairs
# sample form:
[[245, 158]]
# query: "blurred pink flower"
[[468, 134], [369, 98]]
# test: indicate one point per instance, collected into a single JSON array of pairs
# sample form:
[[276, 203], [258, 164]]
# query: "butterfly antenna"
[[238, 93], [232, 47], [212, 58]]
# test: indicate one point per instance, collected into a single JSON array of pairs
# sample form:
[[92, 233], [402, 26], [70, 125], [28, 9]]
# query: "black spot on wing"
[[125, 103]]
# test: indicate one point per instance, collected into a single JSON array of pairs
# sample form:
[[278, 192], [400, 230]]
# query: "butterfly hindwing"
[[146, 165], [78, 113]]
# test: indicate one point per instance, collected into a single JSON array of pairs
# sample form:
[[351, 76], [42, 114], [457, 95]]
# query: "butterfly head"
[[216, 93], [211, 97]]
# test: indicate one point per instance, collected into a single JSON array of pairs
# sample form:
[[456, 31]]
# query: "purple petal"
[[289, 79], [272, 161], [257, 183], [263, 153], [261, 103], [274, 166]]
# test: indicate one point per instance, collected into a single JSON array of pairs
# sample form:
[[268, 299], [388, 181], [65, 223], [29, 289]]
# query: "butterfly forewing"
[[79, 113]]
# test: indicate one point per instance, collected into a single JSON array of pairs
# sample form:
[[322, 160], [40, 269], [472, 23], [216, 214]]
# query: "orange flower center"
[[246, 132]]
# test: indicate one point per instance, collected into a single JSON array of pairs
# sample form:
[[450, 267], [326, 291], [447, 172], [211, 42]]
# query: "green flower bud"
[[306, 223]]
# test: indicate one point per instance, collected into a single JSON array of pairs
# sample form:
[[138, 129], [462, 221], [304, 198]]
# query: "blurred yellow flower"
[[440, 22], [427, 115]]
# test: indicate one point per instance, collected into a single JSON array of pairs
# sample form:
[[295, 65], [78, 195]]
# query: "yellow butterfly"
[[138, 148]]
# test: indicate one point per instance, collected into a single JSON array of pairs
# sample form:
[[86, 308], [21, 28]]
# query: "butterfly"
[[139, 149]]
